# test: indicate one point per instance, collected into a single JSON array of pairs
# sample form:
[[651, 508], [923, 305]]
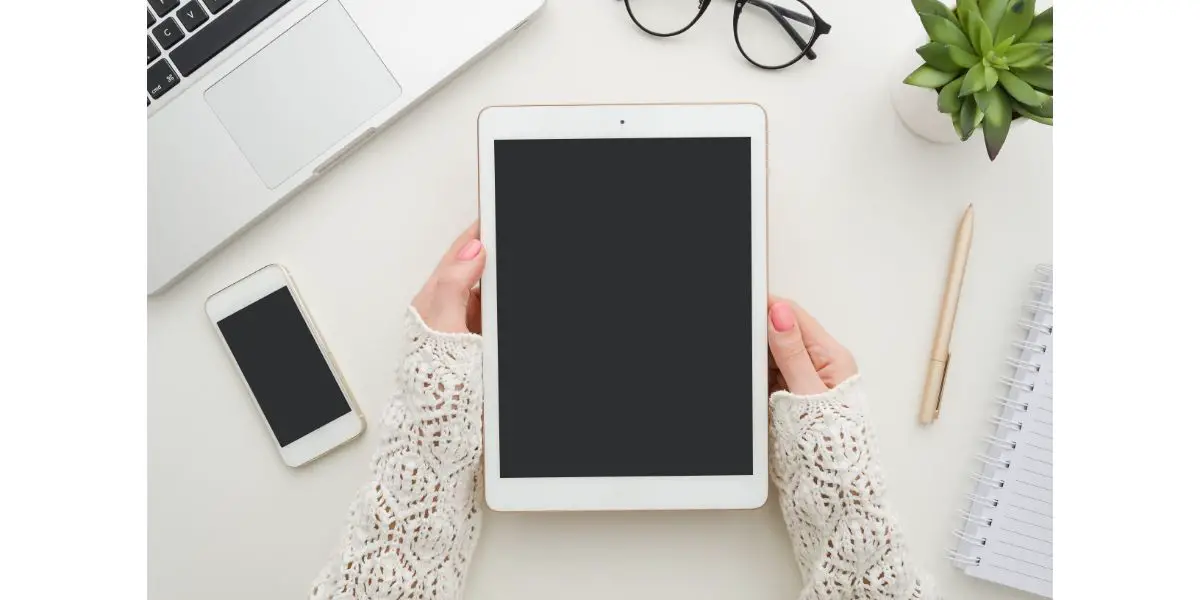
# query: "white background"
[[862, 215], [862, 220]]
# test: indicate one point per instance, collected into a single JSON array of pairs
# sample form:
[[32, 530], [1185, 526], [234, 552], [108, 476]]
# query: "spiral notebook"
[[1007, 529]]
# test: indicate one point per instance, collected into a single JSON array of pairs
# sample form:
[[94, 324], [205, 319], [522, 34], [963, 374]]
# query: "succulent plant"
[[991, 61]]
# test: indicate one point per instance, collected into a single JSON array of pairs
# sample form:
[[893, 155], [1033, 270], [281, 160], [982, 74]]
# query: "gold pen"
[[931, 400]]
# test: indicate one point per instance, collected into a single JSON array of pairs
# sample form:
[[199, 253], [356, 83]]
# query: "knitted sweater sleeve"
[[413, 527], [846, 541]]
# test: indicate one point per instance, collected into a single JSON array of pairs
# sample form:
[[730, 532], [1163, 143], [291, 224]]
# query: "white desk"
[[862, 218]]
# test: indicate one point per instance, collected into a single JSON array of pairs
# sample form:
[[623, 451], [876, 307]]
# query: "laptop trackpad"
[[302, 93]]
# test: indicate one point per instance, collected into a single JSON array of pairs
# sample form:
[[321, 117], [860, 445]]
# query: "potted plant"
[[987, 64]]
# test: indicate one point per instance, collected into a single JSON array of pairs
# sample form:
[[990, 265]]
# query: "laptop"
[[249, 100]]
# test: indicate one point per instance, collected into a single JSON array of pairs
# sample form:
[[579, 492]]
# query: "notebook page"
[[1009, 532]]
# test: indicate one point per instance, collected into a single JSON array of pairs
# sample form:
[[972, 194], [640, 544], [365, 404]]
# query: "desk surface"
[[862, 220]]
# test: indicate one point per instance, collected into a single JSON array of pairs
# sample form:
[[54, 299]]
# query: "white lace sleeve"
[[847, 543], [412, 529]]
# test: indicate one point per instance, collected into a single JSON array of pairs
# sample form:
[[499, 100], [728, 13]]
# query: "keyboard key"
[[162, 7], [191, 15], [168, 33], [151, 50], [160, 78], [149, 19], [224, 30], [215, 6]]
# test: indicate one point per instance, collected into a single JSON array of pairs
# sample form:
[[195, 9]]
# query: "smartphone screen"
[[284, 366]]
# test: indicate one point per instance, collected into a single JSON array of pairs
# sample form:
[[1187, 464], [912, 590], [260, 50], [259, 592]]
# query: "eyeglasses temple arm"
[[791, 14], [778, 12]]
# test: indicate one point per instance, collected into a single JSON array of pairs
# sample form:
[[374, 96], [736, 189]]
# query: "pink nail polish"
[[782, 318], [470, 250]]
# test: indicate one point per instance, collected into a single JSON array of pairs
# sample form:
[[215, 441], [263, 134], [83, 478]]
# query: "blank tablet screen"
[[623, 301]]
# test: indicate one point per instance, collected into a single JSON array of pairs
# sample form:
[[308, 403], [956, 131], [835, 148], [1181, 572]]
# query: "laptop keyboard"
[[182, 36]]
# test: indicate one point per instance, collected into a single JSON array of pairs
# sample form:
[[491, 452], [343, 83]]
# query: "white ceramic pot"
[[917, 106]]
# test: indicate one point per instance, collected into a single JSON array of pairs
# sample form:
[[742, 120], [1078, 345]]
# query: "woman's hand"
[[449, 301], [831, 490], [805, 359]]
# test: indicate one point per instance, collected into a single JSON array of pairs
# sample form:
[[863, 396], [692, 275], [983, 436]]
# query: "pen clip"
[[937, 408]]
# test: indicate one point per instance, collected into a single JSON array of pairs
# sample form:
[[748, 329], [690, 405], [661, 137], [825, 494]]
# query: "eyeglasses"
[[770, 34]]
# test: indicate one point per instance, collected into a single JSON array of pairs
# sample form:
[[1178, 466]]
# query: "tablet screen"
[[623, 302]]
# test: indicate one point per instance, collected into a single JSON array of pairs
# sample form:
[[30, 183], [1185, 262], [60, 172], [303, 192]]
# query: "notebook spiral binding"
[[1033, 310], [962, 559], [1013, 404]]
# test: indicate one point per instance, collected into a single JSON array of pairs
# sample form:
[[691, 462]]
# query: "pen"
[[935, 378]]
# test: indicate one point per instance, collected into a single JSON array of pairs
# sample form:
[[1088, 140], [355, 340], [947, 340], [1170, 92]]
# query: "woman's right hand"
[[805, 359], [822, 458]]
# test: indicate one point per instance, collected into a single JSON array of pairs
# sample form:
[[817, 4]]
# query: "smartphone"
[[287, 369]]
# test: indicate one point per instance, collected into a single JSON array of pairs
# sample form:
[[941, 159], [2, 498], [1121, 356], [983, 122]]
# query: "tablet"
[[624, 306]]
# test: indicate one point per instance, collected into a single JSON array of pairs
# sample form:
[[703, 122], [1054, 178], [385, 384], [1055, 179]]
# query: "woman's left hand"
[[449, 301]]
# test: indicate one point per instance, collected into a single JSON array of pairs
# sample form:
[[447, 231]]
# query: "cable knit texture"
[[831, 490], [412, 529]]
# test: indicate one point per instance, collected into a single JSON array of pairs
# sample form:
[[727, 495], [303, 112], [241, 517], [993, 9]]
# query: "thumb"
[[791, 355], [451, 293]]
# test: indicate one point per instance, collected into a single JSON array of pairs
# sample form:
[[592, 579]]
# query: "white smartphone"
[[285, 365]]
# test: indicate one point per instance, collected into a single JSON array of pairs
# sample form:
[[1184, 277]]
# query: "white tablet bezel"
[[625, 121], [249, 290]]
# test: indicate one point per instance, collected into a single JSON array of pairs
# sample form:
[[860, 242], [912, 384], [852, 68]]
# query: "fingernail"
[[471, 250], [782, 318]]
